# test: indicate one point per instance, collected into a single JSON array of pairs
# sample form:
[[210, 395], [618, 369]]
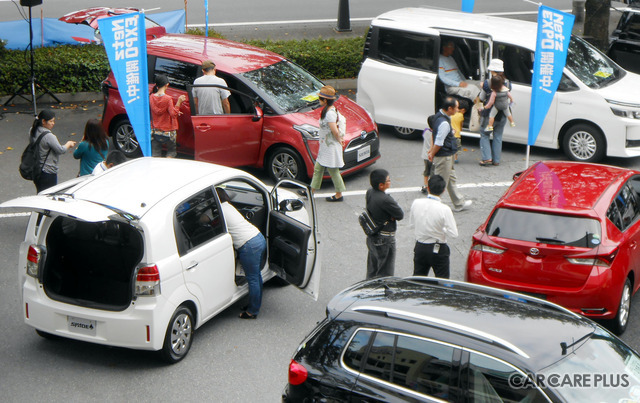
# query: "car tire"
[[584, 143], [125, 140], [406, 133], [179, 335], [620, 322], [47, 336], [285, 163]]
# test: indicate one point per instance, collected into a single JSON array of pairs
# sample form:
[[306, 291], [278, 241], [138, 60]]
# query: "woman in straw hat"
[[330, 154]]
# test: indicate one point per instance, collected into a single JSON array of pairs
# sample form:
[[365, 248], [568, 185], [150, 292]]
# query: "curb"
[[338, 84]]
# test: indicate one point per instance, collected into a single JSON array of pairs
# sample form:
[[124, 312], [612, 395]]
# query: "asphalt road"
[[231, 360]]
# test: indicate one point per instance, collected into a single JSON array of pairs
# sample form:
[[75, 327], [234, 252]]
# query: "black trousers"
[[45, 181], [424, 259]]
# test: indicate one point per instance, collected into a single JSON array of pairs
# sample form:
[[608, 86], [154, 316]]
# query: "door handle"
[[633, 244], [203, 127], [427, 80], [192, 266]]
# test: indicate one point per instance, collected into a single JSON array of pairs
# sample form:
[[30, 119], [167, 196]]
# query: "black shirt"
[[383, 207]]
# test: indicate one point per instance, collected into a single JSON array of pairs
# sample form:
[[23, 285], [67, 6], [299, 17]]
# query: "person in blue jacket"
[[93, 148]]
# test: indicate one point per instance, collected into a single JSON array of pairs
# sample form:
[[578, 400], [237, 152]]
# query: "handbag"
[[368, 225], [162, 136], [474, 120]]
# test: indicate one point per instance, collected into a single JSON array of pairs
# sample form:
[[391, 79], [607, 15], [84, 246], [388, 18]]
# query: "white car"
[[595, 112], [120, 259]]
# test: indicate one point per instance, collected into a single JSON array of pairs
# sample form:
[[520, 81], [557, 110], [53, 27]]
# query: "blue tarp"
[[56, 32]]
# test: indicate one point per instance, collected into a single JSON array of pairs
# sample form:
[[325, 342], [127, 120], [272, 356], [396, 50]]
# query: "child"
[[456, 125], [426, 146], [499, 101]]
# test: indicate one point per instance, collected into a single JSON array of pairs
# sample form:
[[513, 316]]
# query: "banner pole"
[[526, 160]]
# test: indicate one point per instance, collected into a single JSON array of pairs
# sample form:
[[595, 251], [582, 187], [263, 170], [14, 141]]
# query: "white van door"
[[402, 67]]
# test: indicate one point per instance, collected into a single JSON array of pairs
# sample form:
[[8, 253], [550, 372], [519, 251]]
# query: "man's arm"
[[226, 106], [448, 72]]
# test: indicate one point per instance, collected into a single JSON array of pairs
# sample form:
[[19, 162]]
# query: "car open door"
[[292, 237], [231, 139]]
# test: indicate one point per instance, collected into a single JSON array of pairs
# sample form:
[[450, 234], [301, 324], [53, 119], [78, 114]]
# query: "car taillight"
[[148, 281], [33, 260], [485, 248], [297, 373], [601, 261]]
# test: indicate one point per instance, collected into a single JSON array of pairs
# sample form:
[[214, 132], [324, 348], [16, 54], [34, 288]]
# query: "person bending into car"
[[251, 246], [451, 76], [211, 100], [164, 118], [432, 222]]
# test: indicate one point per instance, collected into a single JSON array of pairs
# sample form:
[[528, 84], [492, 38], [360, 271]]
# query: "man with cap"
[[211, 100], [491, 150]]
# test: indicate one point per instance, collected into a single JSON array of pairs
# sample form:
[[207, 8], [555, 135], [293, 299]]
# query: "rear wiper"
[[550, 240]]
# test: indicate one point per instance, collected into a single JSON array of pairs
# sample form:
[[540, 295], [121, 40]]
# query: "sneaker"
[[424, 190], [513, 124], [489, 129], [465, 205]]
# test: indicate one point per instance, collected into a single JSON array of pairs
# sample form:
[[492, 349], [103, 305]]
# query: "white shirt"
[[432, 220], [238, 227]]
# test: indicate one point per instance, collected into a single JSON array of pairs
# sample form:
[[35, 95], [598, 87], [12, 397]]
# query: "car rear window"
[[545, 228]]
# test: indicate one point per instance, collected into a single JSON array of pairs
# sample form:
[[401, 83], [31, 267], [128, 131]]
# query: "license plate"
[[364, 153], [81, 325]]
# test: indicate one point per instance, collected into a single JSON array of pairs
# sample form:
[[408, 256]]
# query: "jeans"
[[156, 147], [45, 181], [424, 259], [251, 257], [382, 256], [336, 178], [491, 151]]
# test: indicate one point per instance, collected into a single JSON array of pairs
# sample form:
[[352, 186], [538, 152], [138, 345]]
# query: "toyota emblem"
[[534, 251], [363, 134]]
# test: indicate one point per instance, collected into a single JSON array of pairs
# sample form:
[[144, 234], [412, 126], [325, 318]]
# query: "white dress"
[[330, 154]]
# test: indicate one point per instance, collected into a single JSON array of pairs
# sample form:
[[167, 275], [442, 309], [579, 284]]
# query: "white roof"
[[138, 185], [419, 19]]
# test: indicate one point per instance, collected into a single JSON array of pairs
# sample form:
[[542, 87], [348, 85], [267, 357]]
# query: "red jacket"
[[164, 115]]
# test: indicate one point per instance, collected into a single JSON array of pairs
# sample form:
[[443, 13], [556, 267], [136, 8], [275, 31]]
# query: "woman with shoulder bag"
[[93, 148], [164, 118], [330, 153], [491, 150], [49, 149]]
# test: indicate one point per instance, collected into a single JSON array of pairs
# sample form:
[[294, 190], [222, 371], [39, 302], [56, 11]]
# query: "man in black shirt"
[[384, 211]]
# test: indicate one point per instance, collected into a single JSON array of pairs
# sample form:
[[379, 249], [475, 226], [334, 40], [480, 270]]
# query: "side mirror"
[[291, 205], [257, 115]]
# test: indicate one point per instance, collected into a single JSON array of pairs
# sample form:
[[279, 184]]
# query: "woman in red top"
[[164, 118]]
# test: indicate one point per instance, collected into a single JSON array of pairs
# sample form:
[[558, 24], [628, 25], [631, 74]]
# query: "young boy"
[[456, 125]]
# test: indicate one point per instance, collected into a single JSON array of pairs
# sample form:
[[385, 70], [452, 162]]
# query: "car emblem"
[[534, 251], [363, 134]]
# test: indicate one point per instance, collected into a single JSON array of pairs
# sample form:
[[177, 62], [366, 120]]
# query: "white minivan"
[[595, 112]]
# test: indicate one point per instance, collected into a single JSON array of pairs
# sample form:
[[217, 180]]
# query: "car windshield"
[[544, 228], [602, 369], [290, 86], [591, 66]]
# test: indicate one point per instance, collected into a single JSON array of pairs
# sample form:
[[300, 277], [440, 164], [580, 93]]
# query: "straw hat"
[[327, 92]]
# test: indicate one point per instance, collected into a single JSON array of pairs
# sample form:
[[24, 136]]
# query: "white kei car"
[[121, 259]]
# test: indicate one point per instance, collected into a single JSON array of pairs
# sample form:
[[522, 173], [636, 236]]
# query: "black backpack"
[[29, 166]]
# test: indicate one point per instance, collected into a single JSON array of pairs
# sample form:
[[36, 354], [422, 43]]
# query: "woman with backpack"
[[49, 149], [330, 154], [93, 148]]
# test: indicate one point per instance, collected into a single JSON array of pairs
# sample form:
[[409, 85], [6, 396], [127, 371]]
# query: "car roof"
[[420, 19], [136, 186], [510, 321], [564, 186], [229, 56]]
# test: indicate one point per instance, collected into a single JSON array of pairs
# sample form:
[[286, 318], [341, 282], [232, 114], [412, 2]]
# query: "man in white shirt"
[[211, 100], [432, 222]]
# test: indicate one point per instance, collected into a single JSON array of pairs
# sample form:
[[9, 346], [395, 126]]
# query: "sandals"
[[247, 315], [335, 199], [486, 163]]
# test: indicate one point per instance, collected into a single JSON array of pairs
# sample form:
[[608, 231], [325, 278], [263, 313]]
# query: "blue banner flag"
[[126, 45], [554, 34], [467, 6]]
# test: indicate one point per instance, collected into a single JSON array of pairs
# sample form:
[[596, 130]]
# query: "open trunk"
[[92, 264]]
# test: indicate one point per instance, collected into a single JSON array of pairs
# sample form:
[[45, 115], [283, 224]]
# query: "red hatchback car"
[[566, 232], [273, 122]]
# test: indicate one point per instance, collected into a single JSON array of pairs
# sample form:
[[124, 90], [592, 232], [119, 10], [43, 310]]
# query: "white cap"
[[496, 65]]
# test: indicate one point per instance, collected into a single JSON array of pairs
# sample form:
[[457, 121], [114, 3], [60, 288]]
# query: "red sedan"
[[566, 232]]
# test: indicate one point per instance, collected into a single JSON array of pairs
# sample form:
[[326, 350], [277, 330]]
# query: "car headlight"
[[624, 109], [308, 131]]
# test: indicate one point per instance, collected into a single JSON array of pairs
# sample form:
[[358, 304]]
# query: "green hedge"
[[82, 68]]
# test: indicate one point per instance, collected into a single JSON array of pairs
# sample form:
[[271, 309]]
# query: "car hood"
[[625, 90], [90, 16]]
